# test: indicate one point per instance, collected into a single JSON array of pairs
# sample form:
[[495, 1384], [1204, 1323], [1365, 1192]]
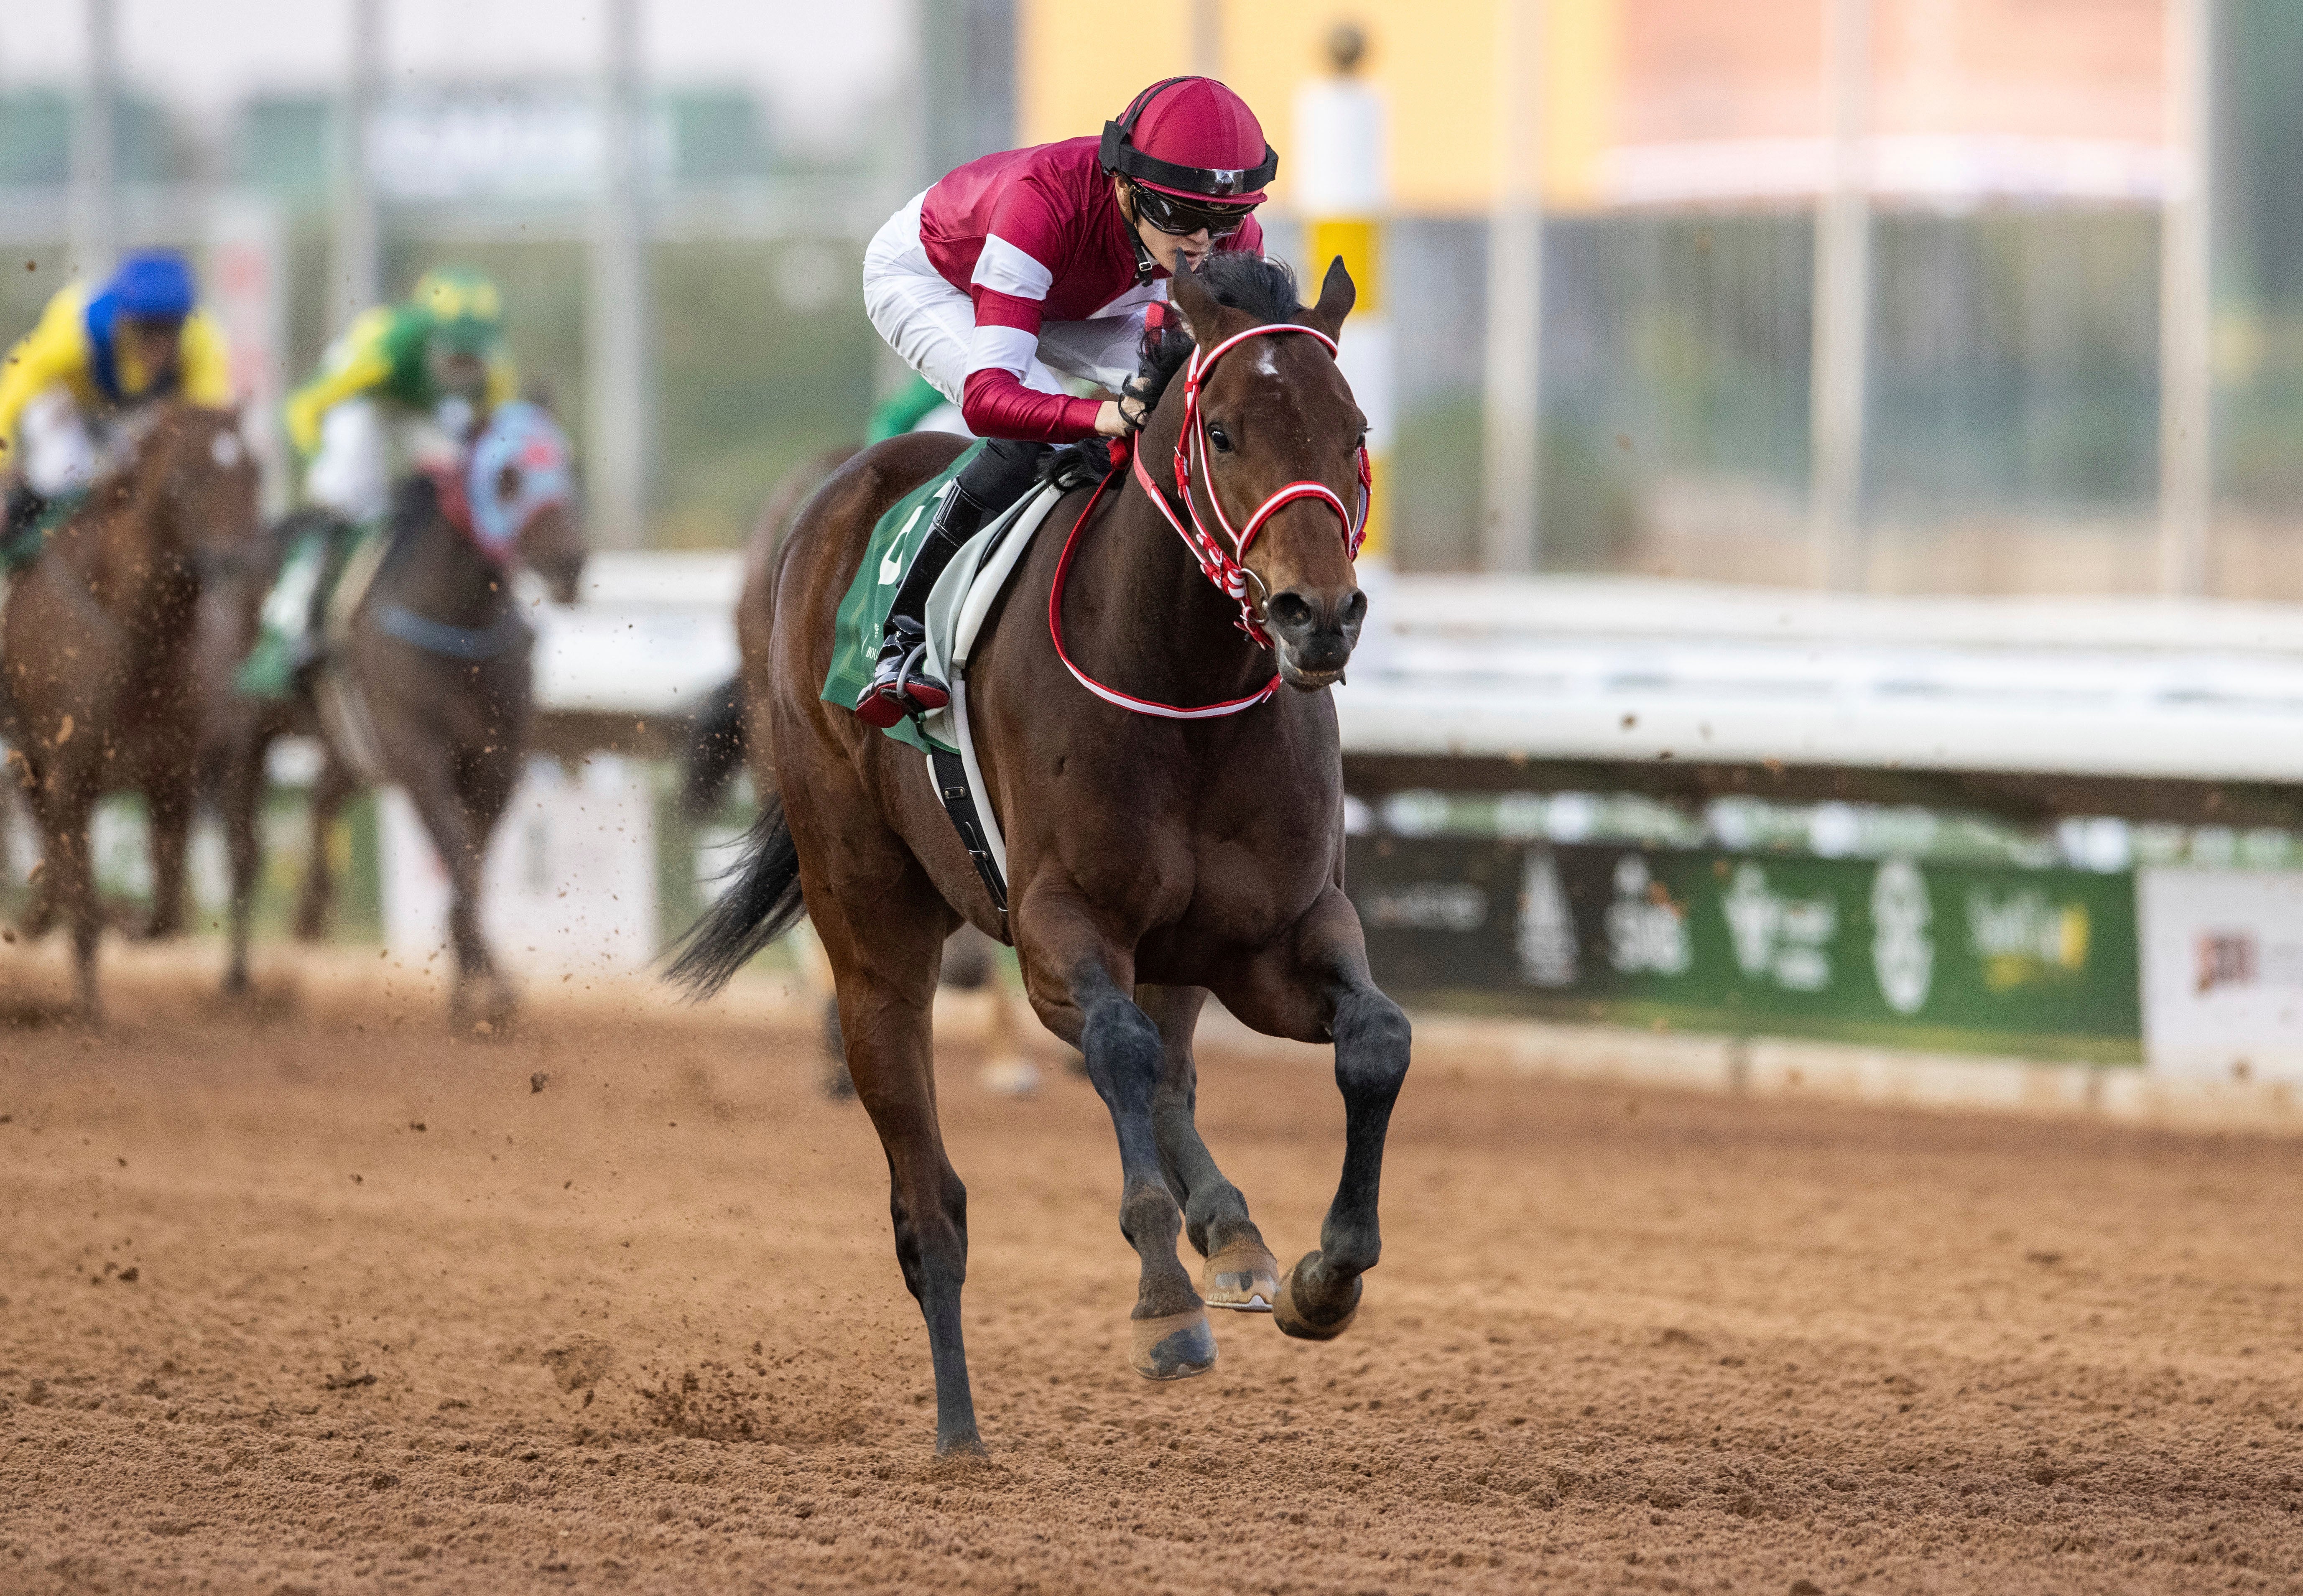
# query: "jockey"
[[1037, 261], [405, 386], [90, 359], [404, 383]]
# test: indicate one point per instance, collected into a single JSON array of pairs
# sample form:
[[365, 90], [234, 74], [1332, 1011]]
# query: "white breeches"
[[61, 455], [930, 325], [367, 445]]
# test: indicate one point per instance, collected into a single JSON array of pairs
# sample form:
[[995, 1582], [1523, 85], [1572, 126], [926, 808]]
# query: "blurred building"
[[2018, 155]]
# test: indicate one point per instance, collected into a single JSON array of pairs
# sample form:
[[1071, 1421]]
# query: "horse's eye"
[[1220, 439]]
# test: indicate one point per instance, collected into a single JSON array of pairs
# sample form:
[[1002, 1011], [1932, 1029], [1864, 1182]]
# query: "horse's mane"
[[1262, 287]]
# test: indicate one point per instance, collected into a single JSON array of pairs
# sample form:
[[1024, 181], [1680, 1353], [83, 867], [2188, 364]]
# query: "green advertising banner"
[[1969, 957]]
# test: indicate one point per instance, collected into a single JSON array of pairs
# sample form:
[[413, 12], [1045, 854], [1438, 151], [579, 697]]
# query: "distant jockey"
[[406, 388], [1041, 261], [90, 360], [403, 383]]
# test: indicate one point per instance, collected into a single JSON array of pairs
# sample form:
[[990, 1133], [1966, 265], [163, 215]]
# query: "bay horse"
[[100, 655], [434, 694], [1158, 847]]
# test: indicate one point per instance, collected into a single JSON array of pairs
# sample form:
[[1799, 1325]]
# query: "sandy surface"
[[300, 1305]]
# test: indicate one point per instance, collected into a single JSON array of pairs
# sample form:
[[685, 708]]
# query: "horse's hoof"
[[481, 1009], [1172, 1346], [1295, 1319], [1244, 1277]]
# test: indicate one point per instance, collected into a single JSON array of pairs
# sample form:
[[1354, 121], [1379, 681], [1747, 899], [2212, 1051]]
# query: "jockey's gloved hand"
[[1136, 402]]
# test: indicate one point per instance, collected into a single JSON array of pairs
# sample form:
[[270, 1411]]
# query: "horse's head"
[[198, 474], [1275, 415], [522, 496]]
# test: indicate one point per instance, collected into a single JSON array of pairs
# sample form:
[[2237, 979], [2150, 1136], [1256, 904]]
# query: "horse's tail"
[[760, 905], [715, 749]]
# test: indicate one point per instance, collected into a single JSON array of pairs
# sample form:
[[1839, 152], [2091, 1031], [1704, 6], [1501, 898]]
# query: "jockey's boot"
[[900, 683]]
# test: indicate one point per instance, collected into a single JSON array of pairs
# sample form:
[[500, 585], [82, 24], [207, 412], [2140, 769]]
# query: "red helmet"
[[1194, 138]]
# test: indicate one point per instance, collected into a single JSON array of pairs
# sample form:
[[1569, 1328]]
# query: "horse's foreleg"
[[330, 790], [481, 1001], [65, 806], [1169, 1334], [1317, 986], [170, 806], [1240, 1272]]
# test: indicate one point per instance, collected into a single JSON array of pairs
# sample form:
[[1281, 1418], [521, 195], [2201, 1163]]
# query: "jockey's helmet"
[[466, 309], [151, 285], [1193, 138]]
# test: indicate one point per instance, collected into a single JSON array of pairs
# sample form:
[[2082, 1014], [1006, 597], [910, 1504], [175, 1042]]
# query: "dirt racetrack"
[[328, 1303]]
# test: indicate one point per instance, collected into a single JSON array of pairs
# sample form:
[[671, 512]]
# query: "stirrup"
[[900, 684]]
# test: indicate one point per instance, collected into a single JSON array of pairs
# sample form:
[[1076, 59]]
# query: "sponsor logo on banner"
[[1780, 938], [1647, 932], [1902, 953], [2223, 972]]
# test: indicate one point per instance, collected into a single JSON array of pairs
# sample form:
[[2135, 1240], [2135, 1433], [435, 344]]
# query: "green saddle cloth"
[[863, 618], [302, 596], [20, 548]]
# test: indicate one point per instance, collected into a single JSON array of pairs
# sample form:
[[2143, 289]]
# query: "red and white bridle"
[[1225, 567]]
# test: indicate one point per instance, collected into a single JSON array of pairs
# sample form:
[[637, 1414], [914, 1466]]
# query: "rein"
[[1223, 567]]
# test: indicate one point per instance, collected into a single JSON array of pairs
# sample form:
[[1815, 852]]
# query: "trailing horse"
[[427, 686], [100, 650], [1178, 834]]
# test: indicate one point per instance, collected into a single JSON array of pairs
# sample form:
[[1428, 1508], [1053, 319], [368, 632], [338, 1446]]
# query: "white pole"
[[2186, 393], [1342, 191], [355, 273], [95, 153], [1206, 37], [1842, 304], [617, 378], [1513, 416]]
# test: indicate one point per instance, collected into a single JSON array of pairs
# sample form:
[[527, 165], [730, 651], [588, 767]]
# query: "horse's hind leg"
[[1240, 1273], [885, 962], [1169, 1334], [241, 800], [330, 789]]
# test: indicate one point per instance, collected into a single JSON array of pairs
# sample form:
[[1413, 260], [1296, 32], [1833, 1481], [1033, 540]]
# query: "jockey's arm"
[[55, 351], [204, 363], [1009, 286], [359, 362]]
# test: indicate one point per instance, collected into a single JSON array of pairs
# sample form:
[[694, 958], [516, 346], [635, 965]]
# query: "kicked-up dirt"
[[295, 1304]]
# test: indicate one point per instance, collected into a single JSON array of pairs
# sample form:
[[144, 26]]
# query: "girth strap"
[[498, 638]]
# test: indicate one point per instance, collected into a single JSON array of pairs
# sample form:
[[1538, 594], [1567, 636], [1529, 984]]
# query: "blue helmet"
[[152, 286]]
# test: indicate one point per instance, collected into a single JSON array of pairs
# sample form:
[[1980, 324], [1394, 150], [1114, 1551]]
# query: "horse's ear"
[[1199, 308], [1336, 297]]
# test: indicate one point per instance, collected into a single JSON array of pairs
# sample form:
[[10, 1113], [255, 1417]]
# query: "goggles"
[[1180, 218]]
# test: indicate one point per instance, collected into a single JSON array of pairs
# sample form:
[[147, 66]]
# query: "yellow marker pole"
[[1342, 191]]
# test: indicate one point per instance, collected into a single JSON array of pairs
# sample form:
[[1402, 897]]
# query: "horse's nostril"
[[1290, 611], [1354, 609]]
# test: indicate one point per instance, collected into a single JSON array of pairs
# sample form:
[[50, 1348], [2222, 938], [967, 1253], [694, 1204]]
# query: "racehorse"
[[100, 647], [429, 688], [1159, 846]]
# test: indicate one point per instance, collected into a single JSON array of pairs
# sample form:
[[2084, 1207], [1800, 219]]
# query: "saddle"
[[956, 606]]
